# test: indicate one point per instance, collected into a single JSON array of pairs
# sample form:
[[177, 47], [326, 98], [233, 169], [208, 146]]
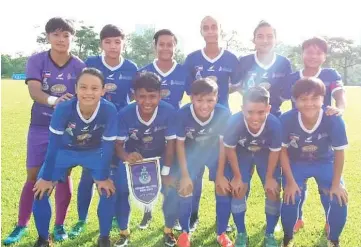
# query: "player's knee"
[[244, 193], [220, 192], [272, 196], [238, 205]]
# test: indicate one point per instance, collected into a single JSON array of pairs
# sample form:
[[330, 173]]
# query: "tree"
[[139, 47], [6, 65], [87, 42], [232, 42], [343, 55]]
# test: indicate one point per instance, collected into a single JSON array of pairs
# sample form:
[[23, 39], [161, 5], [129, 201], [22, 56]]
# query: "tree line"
[[344, 55]]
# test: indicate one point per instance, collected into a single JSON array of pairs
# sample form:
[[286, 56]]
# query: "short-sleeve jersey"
[[253, 73], [118, 79], [147, 138], [247, 143], [330, 77], [201, 137], [173, 82], [222, 69], [55, 81], [316, 145], [79, 133]]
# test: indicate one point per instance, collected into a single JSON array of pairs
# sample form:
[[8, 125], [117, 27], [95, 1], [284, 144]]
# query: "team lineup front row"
[[100, 129]]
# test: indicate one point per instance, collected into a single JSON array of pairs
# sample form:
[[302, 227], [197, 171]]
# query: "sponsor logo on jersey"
[[178, 83], [58, 88], [211, 68], [46, 74], [110, 87], [165, 93], [225, 69], [60, 76], [110, 77]]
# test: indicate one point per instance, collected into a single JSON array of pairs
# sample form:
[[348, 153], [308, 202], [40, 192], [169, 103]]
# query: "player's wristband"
[[52, 100], [165, 171]]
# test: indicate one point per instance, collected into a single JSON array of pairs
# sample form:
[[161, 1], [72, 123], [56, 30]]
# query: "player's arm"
[[57, 127], [34, 80], [340, 99], [235, 79], [338, 93], [273, 158], [221, 181], [339, 144], [108, 143], [171, 141]]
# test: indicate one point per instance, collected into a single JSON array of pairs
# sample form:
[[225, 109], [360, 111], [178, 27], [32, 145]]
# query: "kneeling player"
[[146, 130], [82, 131], [253, 138], [313, 146], [200, 125]]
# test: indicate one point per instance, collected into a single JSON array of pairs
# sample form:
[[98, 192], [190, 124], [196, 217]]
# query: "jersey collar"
[[150, 120], [198, 120], [320, 115], [87, 121], [161, 72], [317, 74], [214, 59], [260, 130], [121, 60], [265, 67]]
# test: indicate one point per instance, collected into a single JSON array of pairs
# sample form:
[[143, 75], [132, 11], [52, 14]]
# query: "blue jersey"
[[223, 69], [173, 82], [147, 138], [316, 145], [201, 138], [267, 139], [253, 73], [118, 79], [330, 77], [71, 131]]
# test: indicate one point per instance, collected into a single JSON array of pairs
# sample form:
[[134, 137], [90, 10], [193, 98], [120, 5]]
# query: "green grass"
[[15, 108]]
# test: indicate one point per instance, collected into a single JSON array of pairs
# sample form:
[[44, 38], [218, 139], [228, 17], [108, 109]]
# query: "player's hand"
[[272, 186], [134, 157], [223, 184], [290, 192], [239, 188], [106, 185], [185, 186], [341, 194], [41, 187], [64, 97], [331, 110], [168, 180]]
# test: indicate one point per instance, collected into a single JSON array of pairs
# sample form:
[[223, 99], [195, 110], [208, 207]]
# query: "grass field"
[[15, 108]]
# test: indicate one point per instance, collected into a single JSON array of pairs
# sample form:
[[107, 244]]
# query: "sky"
[[294, 20]]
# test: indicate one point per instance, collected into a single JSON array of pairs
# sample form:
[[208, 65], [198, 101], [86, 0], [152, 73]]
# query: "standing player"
[[216, 63], [253, 138], [50, 77], [119, 73], [146, 130], [313, 146], [200, 126], [82, 131], [264, 68], [171, 73], [173, 77], [314, 55]]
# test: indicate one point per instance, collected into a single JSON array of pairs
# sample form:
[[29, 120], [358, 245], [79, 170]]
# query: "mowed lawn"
[[16, 105]]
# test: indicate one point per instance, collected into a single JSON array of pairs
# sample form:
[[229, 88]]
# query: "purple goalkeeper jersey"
[[55, 81]]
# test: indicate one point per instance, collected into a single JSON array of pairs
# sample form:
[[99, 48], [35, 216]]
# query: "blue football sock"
[[223, 212], [289, 216], [336, 218], [105, 213], [185, 210], [85, 193], [197, 192], [122, 210], [238, 208], [273, 209], [170, 206], [42, 216]]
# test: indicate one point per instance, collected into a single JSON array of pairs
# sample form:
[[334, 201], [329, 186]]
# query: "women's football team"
[[105, 112]]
